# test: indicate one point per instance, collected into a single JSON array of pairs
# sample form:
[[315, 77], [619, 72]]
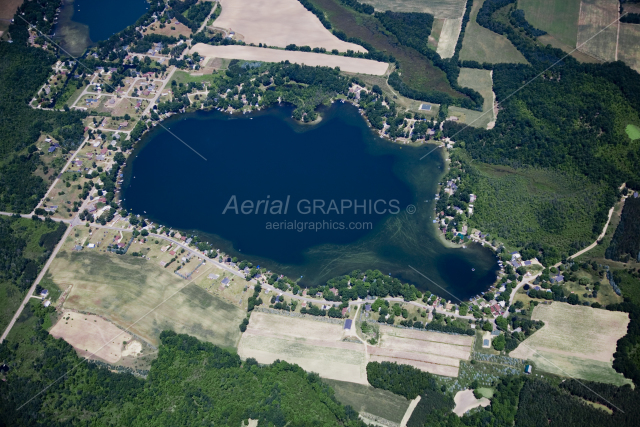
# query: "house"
[[213, 276], [226, 281], [189, 240], [77, 248], [557, 279], [347, 324], [52, 149], [172, 252], [278, 299], [44, 293], [367, 307], [100, 157], [495, 333], [47, 303], [527, 263], [528, 369], [425, 107], [91, 245], [486, 343], [344, 311], [104, 151]]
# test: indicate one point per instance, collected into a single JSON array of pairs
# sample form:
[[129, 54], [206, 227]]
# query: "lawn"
[[369, 400], [137, 293], [483, 45], [186, 78], [576, 341], [480, 81], [633, 131], [559, 18]]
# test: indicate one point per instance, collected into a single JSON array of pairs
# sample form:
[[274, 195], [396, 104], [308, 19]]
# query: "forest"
[[625, 243]]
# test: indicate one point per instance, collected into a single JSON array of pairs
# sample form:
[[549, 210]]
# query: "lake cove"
[[315, 201], [84, 22]]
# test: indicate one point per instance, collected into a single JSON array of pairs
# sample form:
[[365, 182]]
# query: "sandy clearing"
[[250, 53], [134, 348], [447, 371], [278, 23], [93, 335], [427, 336], [575, 330], [409, 356], [415, 346], [449, 37], [465, 400]]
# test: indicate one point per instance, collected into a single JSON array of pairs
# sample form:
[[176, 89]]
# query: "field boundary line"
[[86, 359]]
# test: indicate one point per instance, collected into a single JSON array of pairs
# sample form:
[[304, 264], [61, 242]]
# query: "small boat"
[[473, 269]]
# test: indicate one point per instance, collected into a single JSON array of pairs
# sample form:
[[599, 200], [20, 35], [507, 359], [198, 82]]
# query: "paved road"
[[27, 297]]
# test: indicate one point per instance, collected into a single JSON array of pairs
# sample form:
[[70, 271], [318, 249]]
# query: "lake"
[[84, 22], [315, 201]]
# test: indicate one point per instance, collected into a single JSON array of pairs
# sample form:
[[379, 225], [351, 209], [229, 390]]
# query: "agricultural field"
[[628, 42], [449, 37], [436, 31], [137, 293], [278, 23], [559, 18], [370, 401], [597, 28], [483, 45], [428, 351], [351, 65], [482, 82], [447, 9], [576, 341], [314, 345]]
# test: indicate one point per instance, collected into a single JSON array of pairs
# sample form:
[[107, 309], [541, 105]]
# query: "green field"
[[186, 78], [483, 45], [633, 131], [486, 392], [363, 398], [136, 293], [480, 81], [559, 18], [450, 9]]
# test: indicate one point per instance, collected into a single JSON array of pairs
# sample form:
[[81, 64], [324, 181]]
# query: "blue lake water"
[[363, 188], [105, 18]]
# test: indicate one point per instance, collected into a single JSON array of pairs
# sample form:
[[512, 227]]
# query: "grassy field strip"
[[449, 37], [448, 9], [482, 82], [352, 65], [403, 355], [342, 345], [483, 45], [436, 31], [595, 15], [444, 370], [428, 336], [278, 23], [401, 344]]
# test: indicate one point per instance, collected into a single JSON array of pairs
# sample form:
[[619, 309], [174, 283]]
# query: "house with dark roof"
[[226, 281], [347, 324]]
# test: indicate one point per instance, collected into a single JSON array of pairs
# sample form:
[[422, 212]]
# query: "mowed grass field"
[[576, 341], [483, 45], [559, 18], [629, 45], [138, 294], [449, 9], [428, 351], [597, 28], [449, 37], [314, 345], [480, 81], [368, 400]]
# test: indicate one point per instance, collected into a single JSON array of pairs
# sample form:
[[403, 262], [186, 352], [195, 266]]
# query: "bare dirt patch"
[[90, 334], [628, 43], [315, 346], [598, 29], [8, 8], [352, 65], [278, 23], [465, 401]]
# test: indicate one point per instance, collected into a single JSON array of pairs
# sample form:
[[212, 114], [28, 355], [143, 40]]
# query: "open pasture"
[[559, 18], [352, 65], [598, 29], [483, 45], [576, 341], [141, 295], [278, 23], [314, 345], [447, 9], [482, 82]]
